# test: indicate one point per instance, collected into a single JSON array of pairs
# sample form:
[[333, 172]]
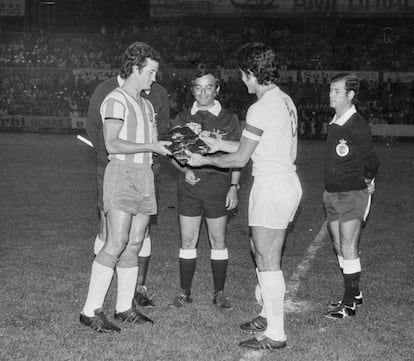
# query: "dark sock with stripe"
[[351, 287], [187, 270], [143, 264], [219, 269]]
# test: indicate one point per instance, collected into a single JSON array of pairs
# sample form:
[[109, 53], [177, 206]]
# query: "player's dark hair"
[[137, 54], [260, 59], [351, 83], [200, 72]]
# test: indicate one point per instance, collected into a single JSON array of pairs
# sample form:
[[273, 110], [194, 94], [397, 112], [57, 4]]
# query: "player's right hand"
[[160, 147], [213, 143], [190, 177], [196, 160], [370, 185]]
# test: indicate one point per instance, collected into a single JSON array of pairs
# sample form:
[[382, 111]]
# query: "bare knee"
[[189, 230], [188, 243], [218, 242], [115, 245]]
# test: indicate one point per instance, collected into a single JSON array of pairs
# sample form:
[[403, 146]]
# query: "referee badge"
[[342, 148]]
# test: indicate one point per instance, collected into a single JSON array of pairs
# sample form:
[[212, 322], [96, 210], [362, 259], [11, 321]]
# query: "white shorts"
[[274, 200]]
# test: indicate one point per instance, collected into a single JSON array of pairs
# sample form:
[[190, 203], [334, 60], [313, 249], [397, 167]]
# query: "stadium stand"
[[46, 74]]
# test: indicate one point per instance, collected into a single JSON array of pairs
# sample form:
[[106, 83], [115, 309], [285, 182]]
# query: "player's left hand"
[[196, 160], [232, 199], [190, 177], [213, 143], [370, 186]]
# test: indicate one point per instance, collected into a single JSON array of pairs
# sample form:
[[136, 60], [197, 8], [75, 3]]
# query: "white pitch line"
[[295, 281], [294, 284]]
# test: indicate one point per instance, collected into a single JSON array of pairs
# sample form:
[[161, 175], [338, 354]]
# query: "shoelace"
[[181, 299]]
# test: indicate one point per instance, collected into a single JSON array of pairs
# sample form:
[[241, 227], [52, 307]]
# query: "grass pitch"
[[48, 224]]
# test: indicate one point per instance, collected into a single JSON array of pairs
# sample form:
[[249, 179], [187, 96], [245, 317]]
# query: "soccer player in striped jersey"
[[130, 135], [158, 97]]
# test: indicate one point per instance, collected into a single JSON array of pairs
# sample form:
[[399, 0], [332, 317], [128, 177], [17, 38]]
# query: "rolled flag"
[[84, 140]]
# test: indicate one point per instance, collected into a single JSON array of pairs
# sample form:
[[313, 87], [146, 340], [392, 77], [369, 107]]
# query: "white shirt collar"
[[120, 80], [344, 118], [215, 109]]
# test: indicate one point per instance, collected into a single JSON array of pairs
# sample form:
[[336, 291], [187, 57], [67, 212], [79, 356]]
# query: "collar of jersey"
[[120, 80], [215, 109], [344, 118]]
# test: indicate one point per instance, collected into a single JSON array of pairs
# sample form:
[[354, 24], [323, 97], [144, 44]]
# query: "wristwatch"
[[235, 185]]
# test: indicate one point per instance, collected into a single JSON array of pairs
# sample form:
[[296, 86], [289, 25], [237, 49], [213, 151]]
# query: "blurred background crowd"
[[38, 77]]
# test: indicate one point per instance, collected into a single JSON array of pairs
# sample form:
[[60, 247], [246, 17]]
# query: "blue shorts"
[[346, 206], [208, 196], [129, 188]]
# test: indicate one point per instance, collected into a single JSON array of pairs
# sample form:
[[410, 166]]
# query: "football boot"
[[99, 322], [342, 311], [262, 342], [132, 315], [221, 301], [358, 299], [181, 300], [258, 324], [142, 298]]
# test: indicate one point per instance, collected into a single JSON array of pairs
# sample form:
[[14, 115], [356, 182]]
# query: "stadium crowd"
[[37, 75], [320, 45]]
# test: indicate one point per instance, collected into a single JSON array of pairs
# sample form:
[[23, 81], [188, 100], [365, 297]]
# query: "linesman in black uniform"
[[350, 167]]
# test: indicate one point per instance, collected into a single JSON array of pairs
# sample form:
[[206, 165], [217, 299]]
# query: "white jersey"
[[138, 122], [273, 122]]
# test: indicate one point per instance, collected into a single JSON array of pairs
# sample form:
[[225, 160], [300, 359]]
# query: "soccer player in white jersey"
[[270, 140], [130, 135]]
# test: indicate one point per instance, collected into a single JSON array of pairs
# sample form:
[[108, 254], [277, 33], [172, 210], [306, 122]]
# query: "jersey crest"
[[342, 148]]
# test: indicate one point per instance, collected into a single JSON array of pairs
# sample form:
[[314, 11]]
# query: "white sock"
[[187, 253], [98, 245], [273, 291], [127, 279], [352, 266], [219, 254], [146, 248], [101, 277]]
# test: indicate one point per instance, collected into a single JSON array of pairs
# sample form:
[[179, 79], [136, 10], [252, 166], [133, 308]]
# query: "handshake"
[[190, 137]]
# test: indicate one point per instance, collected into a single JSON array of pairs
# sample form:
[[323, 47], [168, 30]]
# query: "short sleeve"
[[254, 124], [113, 108]]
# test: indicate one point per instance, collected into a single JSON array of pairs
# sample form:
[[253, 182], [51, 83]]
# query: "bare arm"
[[238, 159], [115, 145], [215, 144], [177, 166], [232, 197], [235, 176]]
